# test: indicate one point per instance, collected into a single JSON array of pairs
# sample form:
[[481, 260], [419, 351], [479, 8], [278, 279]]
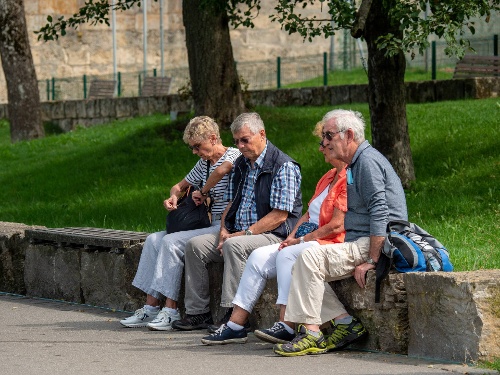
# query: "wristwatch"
[[248, 232], [301, 239], [371, 261], [203, 194]]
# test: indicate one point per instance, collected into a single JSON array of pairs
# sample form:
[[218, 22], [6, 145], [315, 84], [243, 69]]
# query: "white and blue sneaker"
[[163, 321], [140, 318]]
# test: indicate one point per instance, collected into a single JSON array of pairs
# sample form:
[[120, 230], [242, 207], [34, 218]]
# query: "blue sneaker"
[[277, 334], [225, 335]]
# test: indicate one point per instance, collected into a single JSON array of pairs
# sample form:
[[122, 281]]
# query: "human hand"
[[223, 236], [198, 198], [171, 203], [360, 273], [289, 241]]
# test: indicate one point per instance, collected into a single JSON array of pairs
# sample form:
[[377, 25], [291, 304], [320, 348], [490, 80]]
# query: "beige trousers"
[[309, 301]]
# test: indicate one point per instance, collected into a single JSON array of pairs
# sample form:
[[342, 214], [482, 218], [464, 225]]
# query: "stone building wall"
[[88, 50]]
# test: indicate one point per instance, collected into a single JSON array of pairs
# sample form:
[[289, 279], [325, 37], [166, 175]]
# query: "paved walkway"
[[49, 337]]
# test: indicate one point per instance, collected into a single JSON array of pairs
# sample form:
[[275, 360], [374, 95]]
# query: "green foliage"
[[93, 12], [117, 175], [448, 19]]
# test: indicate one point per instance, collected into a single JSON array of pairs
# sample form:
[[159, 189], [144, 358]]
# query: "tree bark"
[[17, 62], [214, 78], [387, 96]]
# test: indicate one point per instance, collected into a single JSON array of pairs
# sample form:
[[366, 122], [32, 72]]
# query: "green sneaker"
[[304, 343], [340, 335]]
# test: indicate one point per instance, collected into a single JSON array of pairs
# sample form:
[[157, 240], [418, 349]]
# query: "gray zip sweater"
[[374, 195]]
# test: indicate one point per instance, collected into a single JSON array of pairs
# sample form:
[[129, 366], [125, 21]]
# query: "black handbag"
[[188, 215]]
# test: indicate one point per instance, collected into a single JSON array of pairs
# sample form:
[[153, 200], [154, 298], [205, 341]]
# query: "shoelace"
[[219, 330], [276, 327], [140, 312], [339, 332]]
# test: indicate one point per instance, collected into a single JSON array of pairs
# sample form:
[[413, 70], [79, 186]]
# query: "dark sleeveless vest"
[[273, 160]]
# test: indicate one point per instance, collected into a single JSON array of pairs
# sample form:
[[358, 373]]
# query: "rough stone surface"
[[106, 279], [387, 321], [454, 316], [12, 255], [52, 272]]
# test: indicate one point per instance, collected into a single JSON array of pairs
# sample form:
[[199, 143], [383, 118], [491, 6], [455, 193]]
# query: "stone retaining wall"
[[447, 316], [69, 114]]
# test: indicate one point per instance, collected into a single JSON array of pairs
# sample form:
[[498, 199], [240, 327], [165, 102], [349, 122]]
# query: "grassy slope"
[[117, 175]]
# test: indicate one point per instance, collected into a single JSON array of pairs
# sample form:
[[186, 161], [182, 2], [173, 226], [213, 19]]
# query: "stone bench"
[[447, 316]]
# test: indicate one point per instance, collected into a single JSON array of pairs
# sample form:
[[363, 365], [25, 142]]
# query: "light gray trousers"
[[162, 262], [201, 251]]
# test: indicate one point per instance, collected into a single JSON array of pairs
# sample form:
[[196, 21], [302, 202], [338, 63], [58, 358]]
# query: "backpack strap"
[[384, 262], [381, 271]]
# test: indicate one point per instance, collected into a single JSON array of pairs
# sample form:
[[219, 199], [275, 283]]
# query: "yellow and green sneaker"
[[340, 335], [304, 343]]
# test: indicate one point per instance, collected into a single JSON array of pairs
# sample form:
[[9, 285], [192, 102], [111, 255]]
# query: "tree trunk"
[[214, 79], [17, 62], [387, 96]]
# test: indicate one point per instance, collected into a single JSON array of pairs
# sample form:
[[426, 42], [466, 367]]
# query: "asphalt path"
[[40, 336]]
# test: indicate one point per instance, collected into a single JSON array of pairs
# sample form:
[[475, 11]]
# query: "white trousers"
[[265, 263]]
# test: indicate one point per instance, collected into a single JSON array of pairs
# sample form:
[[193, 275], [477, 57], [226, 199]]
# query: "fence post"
[[119, 89], [140, 89], [278, 71], [495, 45], [48, 89], [84, 86], [433, 44], [154, 72], [53, 88], [325, 69]]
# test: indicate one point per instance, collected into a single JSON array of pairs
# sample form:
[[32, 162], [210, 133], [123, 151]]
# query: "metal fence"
[[265, 74]]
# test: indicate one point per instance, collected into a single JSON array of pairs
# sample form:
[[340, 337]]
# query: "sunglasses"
[[243, 140], [196, 147], [329, 135]]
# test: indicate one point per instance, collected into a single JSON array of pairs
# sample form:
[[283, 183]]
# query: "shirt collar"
[[260, 160], [363, 146]]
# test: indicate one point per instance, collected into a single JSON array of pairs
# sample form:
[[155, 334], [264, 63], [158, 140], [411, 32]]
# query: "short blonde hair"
[[200, 129], [318, 129]]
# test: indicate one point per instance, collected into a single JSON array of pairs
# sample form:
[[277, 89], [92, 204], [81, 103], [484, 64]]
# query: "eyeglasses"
[[329, 135], [195, 147], [321, 144], [243, 140]]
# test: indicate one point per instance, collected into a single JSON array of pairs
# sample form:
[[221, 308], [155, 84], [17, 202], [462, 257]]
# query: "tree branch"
[[361, 17]]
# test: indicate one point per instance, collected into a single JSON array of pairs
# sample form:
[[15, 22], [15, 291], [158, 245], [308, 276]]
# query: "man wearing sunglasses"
[[265, 203], [374, 197]]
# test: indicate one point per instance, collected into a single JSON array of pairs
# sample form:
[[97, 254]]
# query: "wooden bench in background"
[[156, 86], [477, 66], [102, 89]]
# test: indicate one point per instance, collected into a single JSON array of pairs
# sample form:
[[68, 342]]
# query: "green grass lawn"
[[359, 76], [117, 175]]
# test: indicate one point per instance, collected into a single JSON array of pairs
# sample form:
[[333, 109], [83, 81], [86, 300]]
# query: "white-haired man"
[[374, 197]]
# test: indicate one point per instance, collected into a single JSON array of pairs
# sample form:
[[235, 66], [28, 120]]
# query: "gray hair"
[[200, 129], [347, 119], [251, 120]]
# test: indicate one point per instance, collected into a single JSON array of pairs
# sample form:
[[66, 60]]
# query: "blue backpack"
[[409, 248]]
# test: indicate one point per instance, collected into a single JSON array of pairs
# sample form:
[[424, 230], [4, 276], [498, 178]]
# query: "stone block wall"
[[446, 316], [67, 115]]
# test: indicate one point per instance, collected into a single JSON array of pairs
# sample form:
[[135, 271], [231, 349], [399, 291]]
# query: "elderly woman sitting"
[[162, 259]]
